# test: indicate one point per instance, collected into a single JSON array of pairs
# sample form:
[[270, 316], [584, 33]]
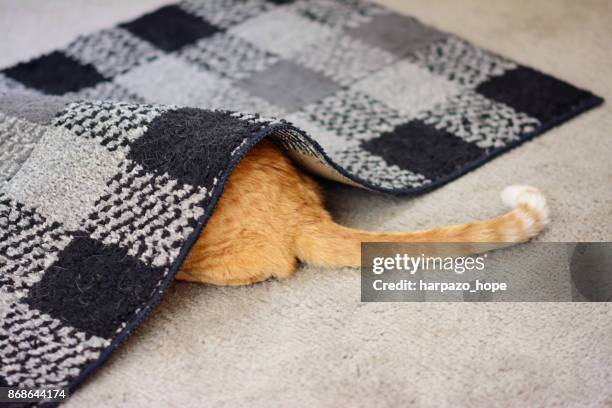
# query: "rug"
[[119, 190]]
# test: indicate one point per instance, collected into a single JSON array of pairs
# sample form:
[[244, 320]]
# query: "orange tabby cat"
[[271, 214]]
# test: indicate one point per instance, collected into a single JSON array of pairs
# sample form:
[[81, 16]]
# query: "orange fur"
[[271, 214]]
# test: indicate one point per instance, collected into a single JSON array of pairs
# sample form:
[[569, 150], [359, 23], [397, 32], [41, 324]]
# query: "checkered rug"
[[114, 149]]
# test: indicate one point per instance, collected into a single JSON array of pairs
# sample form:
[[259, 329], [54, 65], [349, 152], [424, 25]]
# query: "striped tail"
[[332, 245]]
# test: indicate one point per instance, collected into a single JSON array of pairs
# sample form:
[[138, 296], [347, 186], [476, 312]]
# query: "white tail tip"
[[513, 196]]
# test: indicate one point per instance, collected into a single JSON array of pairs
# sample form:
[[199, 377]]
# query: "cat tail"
[[332, 245]]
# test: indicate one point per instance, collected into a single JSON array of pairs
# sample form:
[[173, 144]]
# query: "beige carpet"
[[309, 341]]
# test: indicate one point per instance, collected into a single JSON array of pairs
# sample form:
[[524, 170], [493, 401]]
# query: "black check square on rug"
[[115, 149]]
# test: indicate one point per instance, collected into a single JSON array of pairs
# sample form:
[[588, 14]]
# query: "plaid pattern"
[[352, 74], [94, 221]]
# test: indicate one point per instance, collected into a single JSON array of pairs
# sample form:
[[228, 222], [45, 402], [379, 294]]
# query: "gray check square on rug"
[[115, 149]]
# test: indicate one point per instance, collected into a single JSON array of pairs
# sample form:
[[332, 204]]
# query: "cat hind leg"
[[242, 267]]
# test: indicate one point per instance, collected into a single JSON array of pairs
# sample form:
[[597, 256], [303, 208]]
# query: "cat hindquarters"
[[271, 214], [318, 240]]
